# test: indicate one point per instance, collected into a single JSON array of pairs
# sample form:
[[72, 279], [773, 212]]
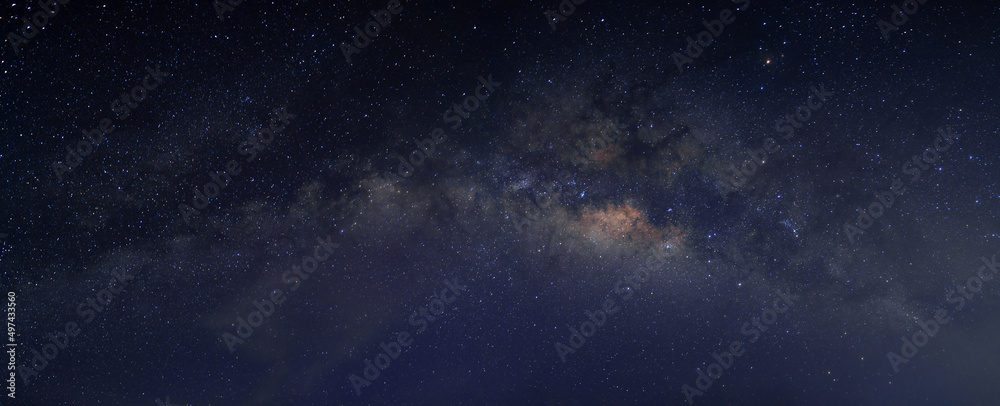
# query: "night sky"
[[500, 202]]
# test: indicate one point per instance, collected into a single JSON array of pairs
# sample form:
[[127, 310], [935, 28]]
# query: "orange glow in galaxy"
[[628, 223]]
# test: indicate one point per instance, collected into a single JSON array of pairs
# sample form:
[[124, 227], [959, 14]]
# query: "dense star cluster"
[[500, 203]]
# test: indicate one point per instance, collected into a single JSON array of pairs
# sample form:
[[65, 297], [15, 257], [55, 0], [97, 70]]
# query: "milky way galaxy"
[[500, 203]]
